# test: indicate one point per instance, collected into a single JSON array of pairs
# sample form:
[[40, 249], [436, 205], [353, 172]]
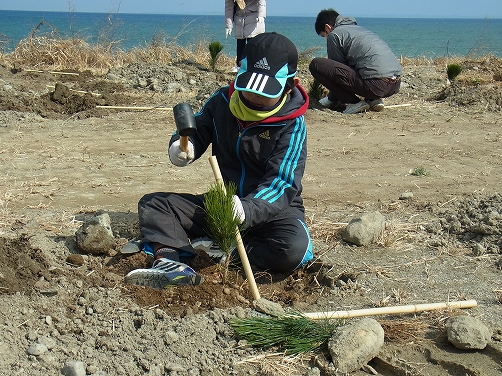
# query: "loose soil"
[[65, 160]]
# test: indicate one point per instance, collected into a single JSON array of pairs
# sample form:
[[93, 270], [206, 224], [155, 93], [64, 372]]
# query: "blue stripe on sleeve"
[[285, 176]]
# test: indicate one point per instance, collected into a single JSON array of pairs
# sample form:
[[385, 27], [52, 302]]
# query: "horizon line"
[[416, 16]]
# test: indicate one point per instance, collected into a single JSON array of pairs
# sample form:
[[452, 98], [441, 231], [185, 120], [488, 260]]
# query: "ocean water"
[[412, 37]]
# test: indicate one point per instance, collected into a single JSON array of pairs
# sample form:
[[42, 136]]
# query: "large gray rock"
[[73, 368], [467, 333], [95, 236], [355, 344], [364, 229]]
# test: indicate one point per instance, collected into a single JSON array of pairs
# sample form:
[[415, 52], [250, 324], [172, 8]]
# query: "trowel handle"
[[184, 143]]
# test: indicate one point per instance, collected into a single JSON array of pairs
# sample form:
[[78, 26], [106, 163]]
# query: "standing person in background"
[[359, 64], [247, 18]]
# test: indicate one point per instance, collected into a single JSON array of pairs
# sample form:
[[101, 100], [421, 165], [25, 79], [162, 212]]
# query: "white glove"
[[238, 209], [178, 157], [260, 19], [325, 102], [228, 31]]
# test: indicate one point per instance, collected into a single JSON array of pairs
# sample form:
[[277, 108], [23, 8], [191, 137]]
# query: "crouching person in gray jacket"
[[360, 68], [257, 132]]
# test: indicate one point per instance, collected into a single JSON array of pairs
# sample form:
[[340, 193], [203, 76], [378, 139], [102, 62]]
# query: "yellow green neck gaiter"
[[242, 112]]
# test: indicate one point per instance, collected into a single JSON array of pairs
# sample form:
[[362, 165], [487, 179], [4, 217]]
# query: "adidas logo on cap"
[[262, 64]]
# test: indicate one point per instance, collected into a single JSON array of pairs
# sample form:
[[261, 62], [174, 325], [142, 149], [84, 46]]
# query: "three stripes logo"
[[265, 135], [258, 81], [262, 64]]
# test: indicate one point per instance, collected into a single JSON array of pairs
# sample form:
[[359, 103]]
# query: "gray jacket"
[[247, 22], [361, 49]]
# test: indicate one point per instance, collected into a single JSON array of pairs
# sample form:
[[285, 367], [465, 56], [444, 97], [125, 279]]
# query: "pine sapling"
[[452, 71], [215, 49], [316, 90], [220, 219]]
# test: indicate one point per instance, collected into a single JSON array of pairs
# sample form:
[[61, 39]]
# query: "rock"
[[406, 196], [49, 342], [73, 368], [467, 333], [113, 77], [355, 344], [364, 229], [95, 236], [37, 349], [173, 87], [172, 367], [75, 259], [61, 93], [270, 308], [142, 83], [313, 372]]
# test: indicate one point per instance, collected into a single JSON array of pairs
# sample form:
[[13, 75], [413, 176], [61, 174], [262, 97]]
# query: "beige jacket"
[[247, 22]]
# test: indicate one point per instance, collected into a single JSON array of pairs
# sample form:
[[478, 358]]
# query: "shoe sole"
[[378, 107], [362, 109], [159, 281]]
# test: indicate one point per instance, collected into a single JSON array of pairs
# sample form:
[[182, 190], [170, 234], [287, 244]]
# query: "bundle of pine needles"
[[293, 333]]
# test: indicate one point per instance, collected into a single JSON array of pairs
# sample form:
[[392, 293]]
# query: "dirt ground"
[[64, 160]]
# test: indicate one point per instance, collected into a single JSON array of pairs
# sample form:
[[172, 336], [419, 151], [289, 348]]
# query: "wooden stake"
[[135, 108], [76, 91], [53, 72], [391, 310], [398, 105], [240, 245]]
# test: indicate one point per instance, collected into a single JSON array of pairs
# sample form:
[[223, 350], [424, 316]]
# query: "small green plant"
[[453, 70], [420, 171], [222, 226], [316, 90], [215, 49]]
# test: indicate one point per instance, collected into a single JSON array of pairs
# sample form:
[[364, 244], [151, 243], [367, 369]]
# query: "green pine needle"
[[221, 224], [293, 333]]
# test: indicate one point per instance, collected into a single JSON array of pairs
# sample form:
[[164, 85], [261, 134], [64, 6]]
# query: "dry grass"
[[324, 229], [403, 331], [52, 52], [475, 71]]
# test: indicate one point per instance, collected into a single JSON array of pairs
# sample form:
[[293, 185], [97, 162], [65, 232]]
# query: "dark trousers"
[[344, 83], [280, 245], [241, 43]]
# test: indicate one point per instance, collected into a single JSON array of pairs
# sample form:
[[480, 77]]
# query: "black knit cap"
[[269, 60]]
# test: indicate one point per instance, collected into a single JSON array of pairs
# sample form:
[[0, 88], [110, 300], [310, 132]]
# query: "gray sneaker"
[[376, 104], [211, 248], [207, 245], [134, 246], [325, 102], [164, 273], [355, 108]]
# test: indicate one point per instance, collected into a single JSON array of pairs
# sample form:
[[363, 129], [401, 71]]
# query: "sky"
[[355, 8]]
